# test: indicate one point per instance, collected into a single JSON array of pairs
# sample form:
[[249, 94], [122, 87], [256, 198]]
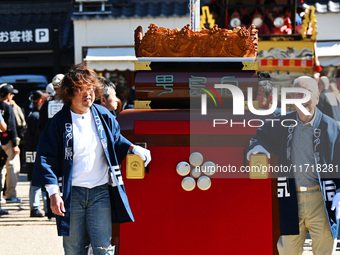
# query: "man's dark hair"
[[107, 85], [263, 75], [267, 86]]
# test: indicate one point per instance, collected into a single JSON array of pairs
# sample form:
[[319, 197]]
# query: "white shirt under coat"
[[90, 167]]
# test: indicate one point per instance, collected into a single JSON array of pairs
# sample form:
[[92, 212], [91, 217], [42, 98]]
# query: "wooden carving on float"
[[217, 42]]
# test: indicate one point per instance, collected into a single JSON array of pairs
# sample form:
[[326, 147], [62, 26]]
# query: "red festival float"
[[179, 207]]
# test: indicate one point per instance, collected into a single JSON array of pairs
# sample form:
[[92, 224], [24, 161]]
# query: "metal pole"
[[195, 15]]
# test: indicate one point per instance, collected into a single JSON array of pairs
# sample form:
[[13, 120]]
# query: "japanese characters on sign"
[[16, 37], [185, 85], [195, 83], [165, 81]]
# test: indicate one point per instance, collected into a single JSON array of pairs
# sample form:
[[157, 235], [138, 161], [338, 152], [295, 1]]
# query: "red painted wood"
[[233, 217]]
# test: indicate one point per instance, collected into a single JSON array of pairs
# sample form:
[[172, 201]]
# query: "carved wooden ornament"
[[217, 42]]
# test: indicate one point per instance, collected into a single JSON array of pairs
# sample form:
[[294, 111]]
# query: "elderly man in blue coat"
[[307, 192], [78, 161]]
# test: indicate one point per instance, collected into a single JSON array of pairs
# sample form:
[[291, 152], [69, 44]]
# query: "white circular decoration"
[[183, 168], [208, 168], [188, 183], [235, 22], [195, 173], [204, 183], [278, 22], [196, 159], [257, 21]]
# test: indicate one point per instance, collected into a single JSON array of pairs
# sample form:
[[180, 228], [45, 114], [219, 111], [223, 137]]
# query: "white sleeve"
[[52, 189]]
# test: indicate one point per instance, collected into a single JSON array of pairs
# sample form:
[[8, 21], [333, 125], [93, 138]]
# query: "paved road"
[[21, 234]]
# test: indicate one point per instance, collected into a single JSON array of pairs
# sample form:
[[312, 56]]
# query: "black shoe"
[[49, 215], [37, 213], [12, 200], [3, 212]]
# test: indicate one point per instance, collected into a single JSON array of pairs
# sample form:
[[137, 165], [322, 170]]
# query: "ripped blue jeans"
[[90, 208]]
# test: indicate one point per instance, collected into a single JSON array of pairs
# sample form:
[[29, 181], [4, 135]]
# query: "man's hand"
[[12, 103], [336, 205], [16, 150], [258, 149], [57, 204], [143, 153]]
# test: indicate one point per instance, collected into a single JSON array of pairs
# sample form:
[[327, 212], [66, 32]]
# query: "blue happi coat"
[[326, 146], [53, 163]]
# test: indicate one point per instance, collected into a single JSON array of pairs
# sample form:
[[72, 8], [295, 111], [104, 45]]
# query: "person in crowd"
[[31, 144], [7, 94], [51, 106], [328, 103], [335, 90], [80, 151], [337, 78], [308, 198], [265, 95], [9, 144], [3, 128], [109, 98], [130, 102], [20, 120], [50, 90]]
